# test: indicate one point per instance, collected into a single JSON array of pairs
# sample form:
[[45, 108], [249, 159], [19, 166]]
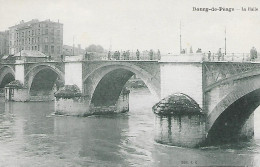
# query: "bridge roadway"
[[227, 92]]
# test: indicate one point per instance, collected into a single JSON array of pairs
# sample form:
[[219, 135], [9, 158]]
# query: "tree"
[[95, 48], [253, 53]]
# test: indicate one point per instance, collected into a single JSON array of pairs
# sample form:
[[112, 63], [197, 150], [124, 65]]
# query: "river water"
[[30, 135]]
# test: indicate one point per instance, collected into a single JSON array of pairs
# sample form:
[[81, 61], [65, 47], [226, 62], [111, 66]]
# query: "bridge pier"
[[182, 77], [73, 74], [17, 90], [19, 71], [72, 100]]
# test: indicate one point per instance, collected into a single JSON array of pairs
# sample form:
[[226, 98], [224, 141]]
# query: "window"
[[29, 33], [35, 48], [52, 49], [32, 32], [32, 40], [52, 40], [39, 31], [58, 49], [58, 32], [32, 47], [22, 34], [38, 47], [46, 31], [29, 40], [38, 39], [46, 39], [46, 49]]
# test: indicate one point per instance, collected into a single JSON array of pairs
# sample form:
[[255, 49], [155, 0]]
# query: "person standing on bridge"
[[62, 57], [219, 54], [118, 55], [109, 56], [127, 54], [124, 55], [86, 56], [137, 54], [209, 56], [159, 54], [114, 55], [151, 54]]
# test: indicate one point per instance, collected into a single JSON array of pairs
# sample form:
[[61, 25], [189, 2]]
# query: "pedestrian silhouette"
[[137, 54]]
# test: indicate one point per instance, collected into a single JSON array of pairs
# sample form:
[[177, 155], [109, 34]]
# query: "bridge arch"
[[108, 78], [43, 76], [7, 75], [230, 115]]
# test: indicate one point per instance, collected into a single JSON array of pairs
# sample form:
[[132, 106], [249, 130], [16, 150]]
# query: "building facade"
[[44, 36], [4, 47]]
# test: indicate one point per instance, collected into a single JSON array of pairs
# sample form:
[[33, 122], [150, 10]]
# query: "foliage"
[[95, 48], [15, 84], [68, 91], [253, 53]]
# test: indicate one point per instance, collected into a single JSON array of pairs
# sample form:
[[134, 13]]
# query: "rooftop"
[[29, 23], [30, 53]]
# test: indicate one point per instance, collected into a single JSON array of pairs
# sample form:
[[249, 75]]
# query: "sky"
[[144, 24]]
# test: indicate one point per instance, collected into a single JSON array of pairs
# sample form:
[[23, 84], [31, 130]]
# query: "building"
[[72, 51], [44, 36], [30, 56], [4, 47]]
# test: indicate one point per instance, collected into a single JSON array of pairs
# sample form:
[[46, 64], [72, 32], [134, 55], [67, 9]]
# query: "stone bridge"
[[231, 93], [227, 92]]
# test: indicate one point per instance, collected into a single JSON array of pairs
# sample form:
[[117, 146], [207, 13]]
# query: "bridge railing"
[[194, 57], [127, 56], [213, 57], [146, 56], [230, 57]]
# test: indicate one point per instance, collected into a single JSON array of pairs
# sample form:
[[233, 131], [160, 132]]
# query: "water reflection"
[[31, 136], [95, 139]]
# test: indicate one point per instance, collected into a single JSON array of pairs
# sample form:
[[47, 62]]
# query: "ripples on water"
[[30, 135]]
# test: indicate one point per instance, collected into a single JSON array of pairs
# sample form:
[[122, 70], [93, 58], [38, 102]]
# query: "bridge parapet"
[[215, 73]]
